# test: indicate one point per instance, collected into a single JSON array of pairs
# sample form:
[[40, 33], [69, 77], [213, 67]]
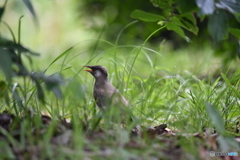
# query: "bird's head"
[[98, 72]]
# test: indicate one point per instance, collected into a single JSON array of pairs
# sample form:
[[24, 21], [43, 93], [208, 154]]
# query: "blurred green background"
[[89, 27], [103, 33]]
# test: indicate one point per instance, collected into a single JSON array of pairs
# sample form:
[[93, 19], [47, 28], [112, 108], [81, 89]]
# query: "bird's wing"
[[100, 98], [116, 97], [108, 95], [119, 99]]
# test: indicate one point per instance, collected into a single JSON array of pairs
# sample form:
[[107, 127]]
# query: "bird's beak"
[[88, 70]]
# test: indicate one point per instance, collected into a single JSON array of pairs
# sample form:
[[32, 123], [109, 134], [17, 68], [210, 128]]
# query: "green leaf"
[[189, 20], [190, 17], [206, 6], [6, 64], [29, 5], [185, 23], [5, 43], [190, 27], [57, 92], [52, 83], [218, 25], [235, 32], [177, 21], [173, 27], [216, 118], [144, 16], [40, 92]]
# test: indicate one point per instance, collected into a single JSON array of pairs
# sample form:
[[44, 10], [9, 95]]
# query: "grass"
[[158, 94]]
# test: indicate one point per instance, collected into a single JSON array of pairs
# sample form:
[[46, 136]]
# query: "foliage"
[[179, 101], [110, 17], [223, 19], [12, 65], [196, 21]]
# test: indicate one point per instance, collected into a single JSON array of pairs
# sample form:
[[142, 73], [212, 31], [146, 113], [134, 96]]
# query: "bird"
[[105, 94]]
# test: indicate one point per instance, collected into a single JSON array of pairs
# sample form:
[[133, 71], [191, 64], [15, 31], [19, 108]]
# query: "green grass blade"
[[58, 57], [216, 118]]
